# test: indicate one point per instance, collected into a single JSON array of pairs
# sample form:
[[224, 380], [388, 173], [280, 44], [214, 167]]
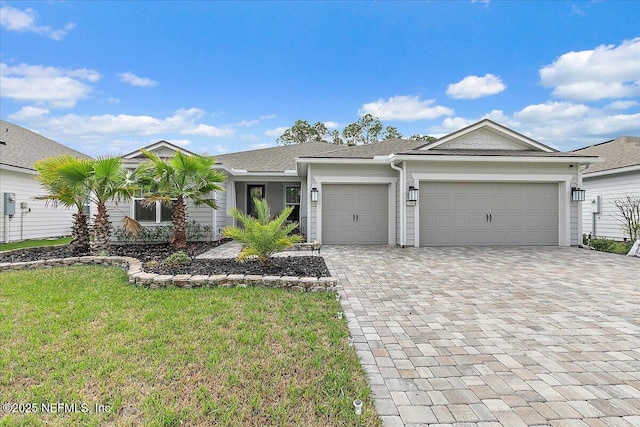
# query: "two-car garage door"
[[488, 213]]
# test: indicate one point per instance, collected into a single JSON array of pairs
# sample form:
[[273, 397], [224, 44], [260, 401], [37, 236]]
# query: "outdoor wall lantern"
[[577, 194], [412, 195], [314, 194]]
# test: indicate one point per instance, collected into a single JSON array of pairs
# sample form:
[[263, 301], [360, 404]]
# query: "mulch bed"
[[152, 256]]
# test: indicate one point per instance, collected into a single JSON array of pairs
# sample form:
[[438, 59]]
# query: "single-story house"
[[482, 185], [24, 217], [613, 179]]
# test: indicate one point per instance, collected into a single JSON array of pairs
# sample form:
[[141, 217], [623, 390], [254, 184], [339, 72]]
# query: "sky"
[[109, 77]]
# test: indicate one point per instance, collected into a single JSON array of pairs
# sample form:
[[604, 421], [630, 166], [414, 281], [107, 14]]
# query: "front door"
[[254, 191]]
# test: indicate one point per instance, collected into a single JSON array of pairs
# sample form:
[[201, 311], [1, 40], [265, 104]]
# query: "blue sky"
[[109, 77]]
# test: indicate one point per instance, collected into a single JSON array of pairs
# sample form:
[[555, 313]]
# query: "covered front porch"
[[279, 193]]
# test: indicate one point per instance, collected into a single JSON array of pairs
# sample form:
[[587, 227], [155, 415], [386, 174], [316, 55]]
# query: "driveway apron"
[[494, 336]]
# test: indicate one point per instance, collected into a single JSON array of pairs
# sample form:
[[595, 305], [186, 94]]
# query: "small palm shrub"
[[262, 236], [177, 259]]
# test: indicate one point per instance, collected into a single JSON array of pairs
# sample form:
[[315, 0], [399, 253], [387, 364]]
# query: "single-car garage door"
[[488, 213], [355, 214]]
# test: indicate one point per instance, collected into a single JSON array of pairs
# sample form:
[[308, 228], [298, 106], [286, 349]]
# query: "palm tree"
[[172, 181], [262, 236], [108, 181], [68, 194], [104, 179]]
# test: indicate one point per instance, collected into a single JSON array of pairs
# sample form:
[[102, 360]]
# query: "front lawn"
[[34, 243], [222, 356]]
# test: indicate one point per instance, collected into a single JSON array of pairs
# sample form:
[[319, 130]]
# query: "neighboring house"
[[482, 185], [616, 177], [20, 148]]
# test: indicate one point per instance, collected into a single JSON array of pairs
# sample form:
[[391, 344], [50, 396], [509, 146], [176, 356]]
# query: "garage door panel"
[[455, 213], [355, 214]]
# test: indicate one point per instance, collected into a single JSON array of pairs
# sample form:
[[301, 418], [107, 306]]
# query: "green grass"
[[34, 243], [208, 356]]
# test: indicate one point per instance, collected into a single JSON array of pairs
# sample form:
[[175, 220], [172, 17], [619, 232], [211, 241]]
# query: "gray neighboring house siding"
[[20, 148], [614, 178]]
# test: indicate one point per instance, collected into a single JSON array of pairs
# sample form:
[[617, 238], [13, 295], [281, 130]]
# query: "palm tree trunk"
[[80, 234], [101, 230], [179, 217]]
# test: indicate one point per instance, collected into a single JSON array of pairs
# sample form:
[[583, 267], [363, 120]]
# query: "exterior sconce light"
[[314, 194], [577, 194], [412, 195]]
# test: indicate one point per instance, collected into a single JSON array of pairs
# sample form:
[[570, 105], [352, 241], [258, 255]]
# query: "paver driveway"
[[495, 336]]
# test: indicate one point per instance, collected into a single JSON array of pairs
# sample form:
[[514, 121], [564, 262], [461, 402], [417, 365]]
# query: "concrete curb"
[[136, 275]]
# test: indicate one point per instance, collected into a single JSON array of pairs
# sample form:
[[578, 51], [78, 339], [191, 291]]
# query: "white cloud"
[[55, 87], [622, 105], [277, 131], [473, 87], [562, 125], [331, 125], [404, 107], [98, 129], [28, 113], [247, 123], [218, 149], [552, 111], [604, 72], [13, 19], [134, 80]]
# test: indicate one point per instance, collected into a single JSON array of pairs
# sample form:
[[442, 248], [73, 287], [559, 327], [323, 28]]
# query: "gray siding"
[[610, 188], [221, 218], [43, 221]]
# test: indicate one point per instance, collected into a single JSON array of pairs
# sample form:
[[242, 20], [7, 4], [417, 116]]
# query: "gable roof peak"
[[489, 125]]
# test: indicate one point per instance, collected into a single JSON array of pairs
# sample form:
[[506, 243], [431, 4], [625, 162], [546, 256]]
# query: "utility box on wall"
[[9, 204], [596, 204]]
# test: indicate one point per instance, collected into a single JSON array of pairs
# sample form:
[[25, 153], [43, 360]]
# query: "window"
[[156, 212], [292, 198]]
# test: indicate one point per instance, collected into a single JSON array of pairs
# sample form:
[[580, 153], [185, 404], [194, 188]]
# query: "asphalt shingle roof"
[[20, 147], [273, 159], [369, 151], [617, 153]]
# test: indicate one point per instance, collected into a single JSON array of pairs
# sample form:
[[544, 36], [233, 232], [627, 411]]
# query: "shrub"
[[161, 233], [177, 259], [607, 245], [262, 236]]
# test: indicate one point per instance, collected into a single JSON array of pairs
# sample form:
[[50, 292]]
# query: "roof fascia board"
[[501, 159], [344, 160], [30, 171], [615, 171]]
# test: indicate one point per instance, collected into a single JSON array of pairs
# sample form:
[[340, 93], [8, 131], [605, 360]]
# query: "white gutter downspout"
[[401, 201], [308, 198]]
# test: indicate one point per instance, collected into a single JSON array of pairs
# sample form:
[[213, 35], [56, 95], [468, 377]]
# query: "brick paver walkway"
[[495, 336]]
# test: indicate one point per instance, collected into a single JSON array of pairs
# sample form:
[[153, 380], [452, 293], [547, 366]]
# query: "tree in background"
[[174, 180], [391, 132], [302, 132], [365, 130], [68, 194], [419, 137]]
